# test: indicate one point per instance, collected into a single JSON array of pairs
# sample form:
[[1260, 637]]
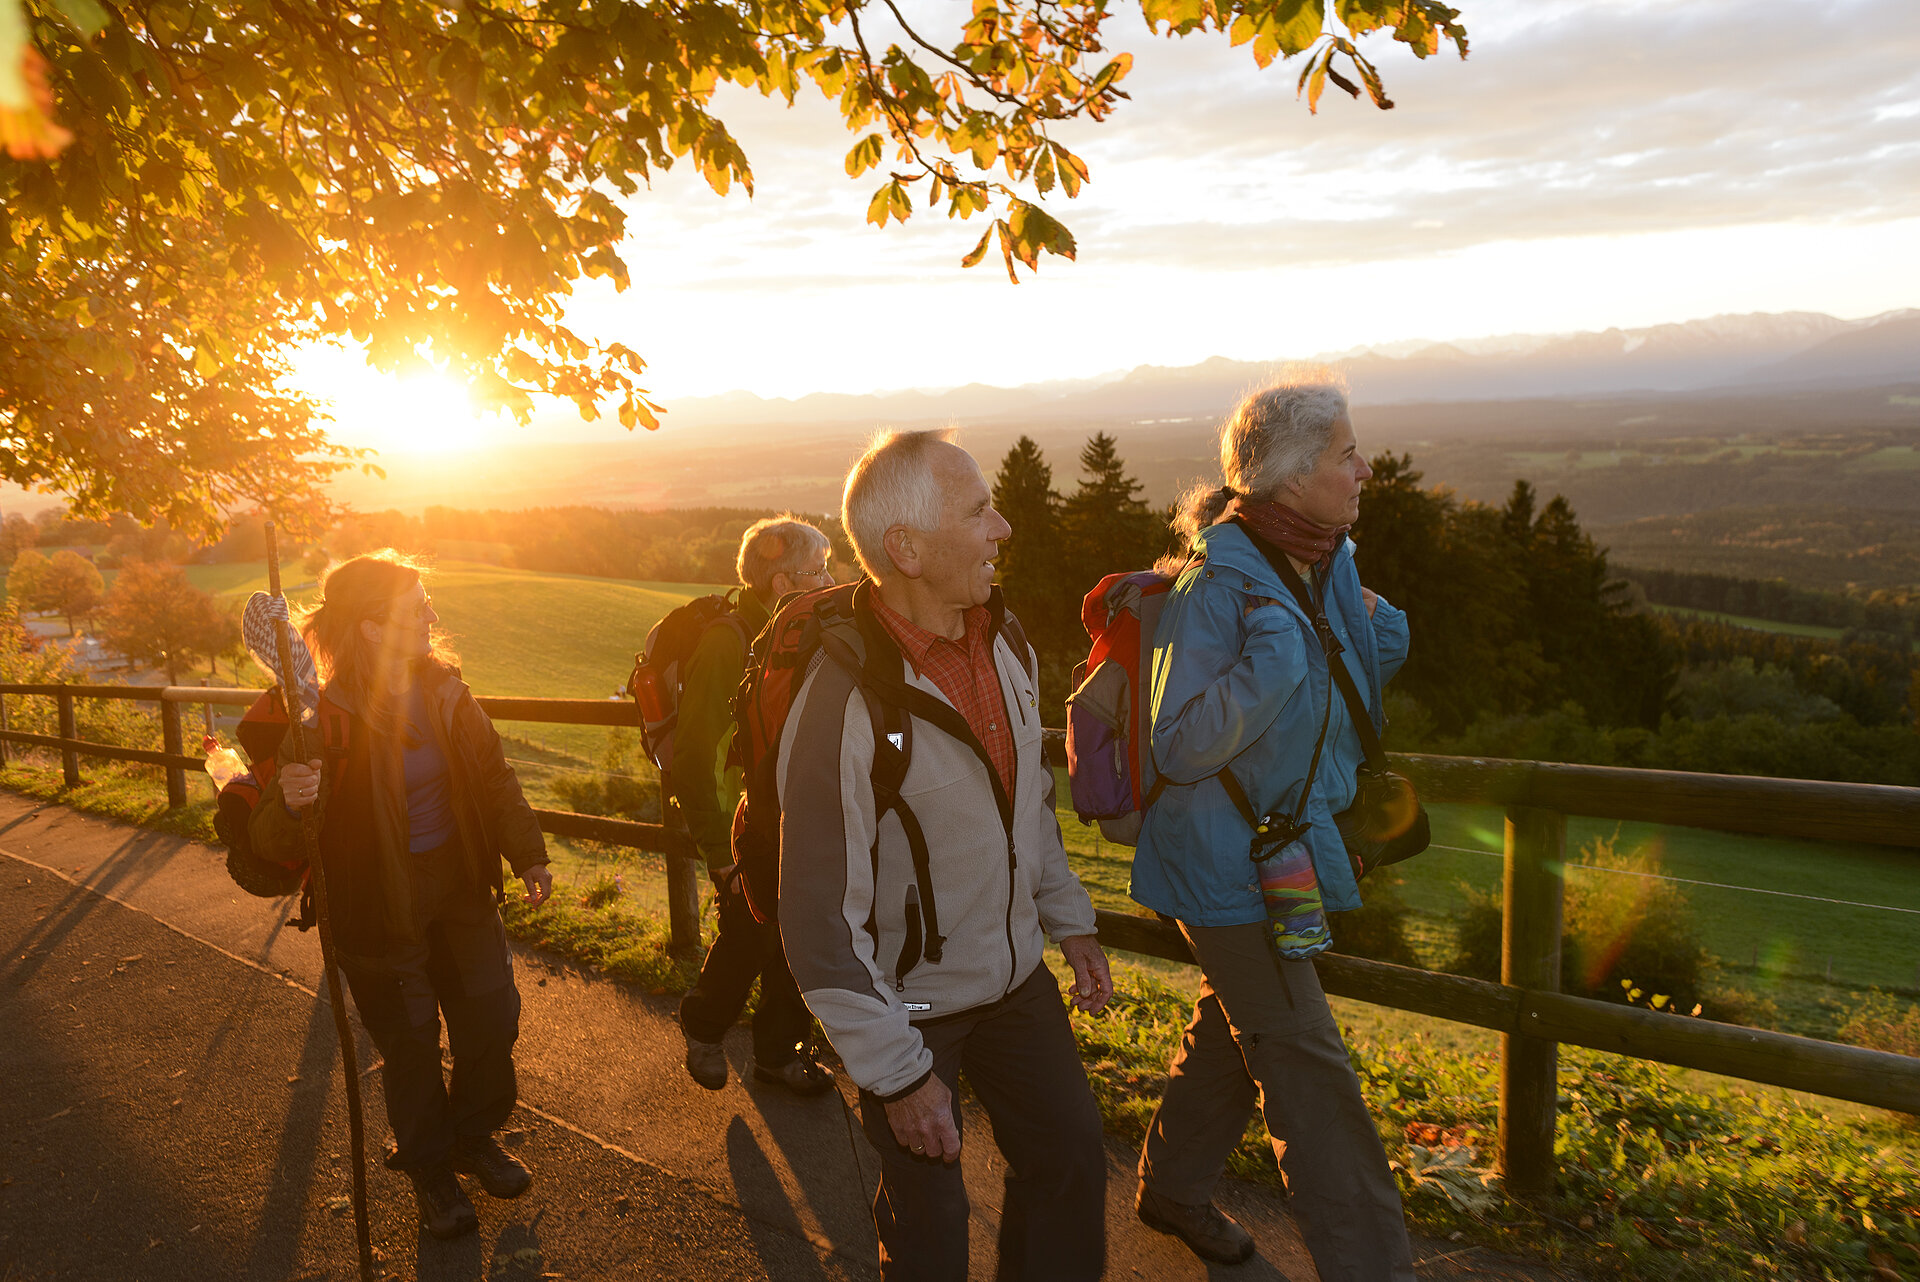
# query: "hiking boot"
[[500, 1173], [1209, 1232], [706, 1063], [803, 1075], [444, 1209]]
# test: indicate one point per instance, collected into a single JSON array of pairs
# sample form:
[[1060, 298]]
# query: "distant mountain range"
[[1787, 350]]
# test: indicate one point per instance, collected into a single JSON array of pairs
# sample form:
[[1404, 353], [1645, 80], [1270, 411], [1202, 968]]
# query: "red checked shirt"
[[965, 672]]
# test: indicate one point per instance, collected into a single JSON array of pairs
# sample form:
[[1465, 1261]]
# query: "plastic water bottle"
[[223, 764]]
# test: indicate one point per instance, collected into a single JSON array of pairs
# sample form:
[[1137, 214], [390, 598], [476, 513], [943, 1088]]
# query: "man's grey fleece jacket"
[[1000, 877]]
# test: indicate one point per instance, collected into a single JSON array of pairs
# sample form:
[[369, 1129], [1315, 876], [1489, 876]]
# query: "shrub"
[[1626, 924], [1620, 924], [24, 661], [626, 787], [1878, 1021], [1378, 929]]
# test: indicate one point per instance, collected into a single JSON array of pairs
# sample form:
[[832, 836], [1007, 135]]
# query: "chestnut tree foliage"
[[187, 189]]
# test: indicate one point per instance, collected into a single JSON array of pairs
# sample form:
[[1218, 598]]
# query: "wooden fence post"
[[1532, 894], [170, 739], [69, 759]]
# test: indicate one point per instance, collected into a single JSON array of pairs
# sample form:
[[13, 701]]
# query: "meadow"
[[1758, 625]]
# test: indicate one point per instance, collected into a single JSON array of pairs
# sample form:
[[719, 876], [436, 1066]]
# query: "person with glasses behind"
[[777, 556]]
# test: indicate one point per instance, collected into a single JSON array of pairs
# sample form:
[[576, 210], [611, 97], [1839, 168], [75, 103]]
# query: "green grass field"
[[1879, 945], [1758, 625], [522, 632]]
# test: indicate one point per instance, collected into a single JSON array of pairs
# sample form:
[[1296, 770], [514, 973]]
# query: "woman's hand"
[[1255, 602], [1369, 598], [539, 882], [299, 785]]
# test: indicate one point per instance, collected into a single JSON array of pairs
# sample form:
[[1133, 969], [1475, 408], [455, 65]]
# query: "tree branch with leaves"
[[188, 190]]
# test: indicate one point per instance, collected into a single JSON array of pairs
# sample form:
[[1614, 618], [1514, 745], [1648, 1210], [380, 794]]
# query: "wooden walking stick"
[[350, 1059]]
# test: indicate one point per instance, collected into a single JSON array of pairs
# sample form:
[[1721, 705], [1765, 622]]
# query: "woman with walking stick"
[[415, 807]]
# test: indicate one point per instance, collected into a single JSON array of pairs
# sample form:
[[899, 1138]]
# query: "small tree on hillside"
[[221, 639], [72, 586], [132, 541], [17, 534], [155, 616], [26, 579]]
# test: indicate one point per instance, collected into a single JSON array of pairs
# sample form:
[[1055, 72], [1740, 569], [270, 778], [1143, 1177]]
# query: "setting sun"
[[425, 413]]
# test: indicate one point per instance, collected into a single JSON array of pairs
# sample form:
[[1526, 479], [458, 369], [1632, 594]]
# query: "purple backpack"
[[1109, 772]]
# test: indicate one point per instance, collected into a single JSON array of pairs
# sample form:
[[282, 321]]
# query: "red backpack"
[[806, 629], [1110, 774], [260, 731]]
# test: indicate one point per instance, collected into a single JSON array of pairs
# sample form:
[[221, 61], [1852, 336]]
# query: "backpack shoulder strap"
[[1316, 610], [892, 753], [1017, 637], [845, 642], [334, 727]]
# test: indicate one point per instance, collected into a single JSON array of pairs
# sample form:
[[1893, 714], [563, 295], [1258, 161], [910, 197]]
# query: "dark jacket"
[[362, 814]]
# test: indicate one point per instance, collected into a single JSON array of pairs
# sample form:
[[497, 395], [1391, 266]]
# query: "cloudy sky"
[[1594, 163]]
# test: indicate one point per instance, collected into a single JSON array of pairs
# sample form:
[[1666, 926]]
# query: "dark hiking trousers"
[[1262, 1032], [462, 971], [746, 950], [1021, 1060]]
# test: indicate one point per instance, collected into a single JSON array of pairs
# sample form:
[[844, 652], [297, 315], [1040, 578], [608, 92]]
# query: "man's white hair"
[[893, 483]]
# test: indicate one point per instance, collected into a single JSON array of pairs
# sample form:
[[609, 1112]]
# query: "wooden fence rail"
[[1532, 1016]]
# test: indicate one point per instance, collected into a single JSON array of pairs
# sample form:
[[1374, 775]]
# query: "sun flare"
[[422, 413]]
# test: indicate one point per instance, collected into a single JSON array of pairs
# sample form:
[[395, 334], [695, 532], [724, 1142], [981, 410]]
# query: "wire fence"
[[1693, 881]]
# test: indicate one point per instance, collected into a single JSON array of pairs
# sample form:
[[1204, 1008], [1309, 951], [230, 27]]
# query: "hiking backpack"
[[260, 731], [806, 629], [1110, 773], [660, 669]]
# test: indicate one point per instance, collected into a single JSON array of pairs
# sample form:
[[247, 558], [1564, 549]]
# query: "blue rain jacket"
[[1248, 691]]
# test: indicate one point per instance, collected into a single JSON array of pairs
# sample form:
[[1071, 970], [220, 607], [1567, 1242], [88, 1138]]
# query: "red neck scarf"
[[1303, 540]]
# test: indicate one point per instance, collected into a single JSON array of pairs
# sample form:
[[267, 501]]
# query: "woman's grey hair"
[[777, 545], [1274, 436], [893, 483]]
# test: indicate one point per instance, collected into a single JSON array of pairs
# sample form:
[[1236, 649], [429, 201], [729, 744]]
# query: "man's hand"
[[1092, 980], [726, 881], [923, 1122], [1369, 598], [299, 784], [539, 883]]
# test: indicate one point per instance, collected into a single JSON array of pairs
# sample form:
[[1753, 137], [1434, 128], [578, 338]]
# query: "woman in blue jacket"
[[1241, 682]]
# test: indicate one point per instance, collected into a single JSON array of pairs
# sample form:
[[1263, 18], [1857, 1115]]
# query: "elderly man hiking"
[[916, 928], [777, 556]]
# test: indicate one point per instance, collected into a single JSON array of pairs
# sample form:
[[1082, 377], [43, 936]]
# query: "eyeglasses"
[[821, 575]]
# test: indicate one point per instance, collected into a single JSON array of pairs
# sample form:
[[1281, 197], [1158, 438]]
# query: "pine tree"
[[1107, 525], [1023, 493]]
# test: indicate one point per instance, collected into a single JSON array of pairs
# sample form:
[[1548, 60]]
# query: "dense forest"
[[1527, 643]]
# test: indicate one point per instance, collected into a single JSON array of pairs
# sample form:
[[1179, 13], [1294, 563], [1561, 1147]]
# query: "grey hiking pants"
[[1262, 1032]]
